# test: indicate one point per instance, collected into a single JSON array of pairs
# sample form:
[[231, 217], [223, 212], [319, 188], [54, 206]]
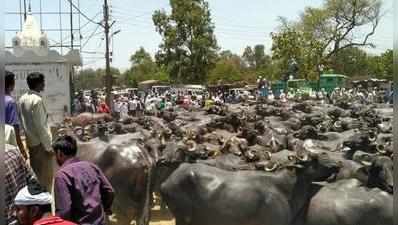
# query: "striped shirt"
[[16, 176]]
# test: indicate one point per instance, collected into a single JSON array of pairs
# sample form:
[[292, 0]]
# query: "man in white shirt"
[[116, 107], [271, 96], [130, 106], [124, 110], [34, 119], [134, 105]]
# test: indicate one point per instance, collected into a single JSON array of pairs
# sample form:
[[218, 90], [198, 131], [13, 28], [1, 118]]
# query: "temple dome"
[[30, 36]]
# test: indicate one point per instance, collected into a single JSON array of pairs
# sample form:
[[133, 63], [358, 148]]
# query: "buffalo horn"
[[61, 132], [78, 131], [162, 141], [366, 163], [372, 137], [269, 154], [380, 148], [273, 168], [291, 157], [337, 124], [193, 146]]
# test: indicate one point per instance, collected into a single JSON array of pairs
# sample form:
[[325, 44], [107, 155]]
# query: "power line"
[[91, 35], [88, 22], [81, 13]]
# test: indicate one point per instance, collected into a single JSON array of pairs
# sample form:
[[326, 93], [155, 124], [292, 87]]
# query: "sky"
[[238, 23]]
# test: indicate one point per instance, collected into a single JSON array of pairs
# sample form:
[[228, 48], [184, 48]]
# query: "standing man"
[[11, 113], [133, 104], [83, 195], [38, 136], [116, 108], [265, 88], [16, 176], [103, 108]]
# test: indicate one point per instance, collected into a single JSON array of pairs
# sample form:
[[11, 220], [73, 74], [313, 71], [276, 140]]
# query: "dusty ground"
[[161, 218]]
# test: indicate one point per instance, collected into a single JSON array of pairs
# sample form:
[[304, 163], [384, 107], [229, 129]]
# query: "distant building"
[[31, 53]]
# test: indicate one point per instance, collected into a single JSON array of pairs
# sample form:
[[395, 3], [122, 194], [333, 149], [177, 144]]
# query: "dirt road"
[[161, 218]]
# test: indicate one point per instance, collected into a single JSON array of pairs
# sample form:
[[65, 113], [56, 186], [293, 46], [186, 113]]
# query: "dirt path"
[[159, 217]]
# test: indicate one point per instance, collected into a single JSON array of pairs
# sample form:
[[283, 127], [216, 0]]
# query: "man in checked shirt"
[[16, 177]]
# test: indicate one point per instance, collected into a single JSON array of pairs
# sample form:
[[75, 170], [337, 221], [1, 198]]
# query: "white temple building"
[[30, 53]]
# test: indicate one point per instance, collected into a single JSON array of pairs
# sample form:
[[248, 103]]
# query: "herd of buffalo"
[[260, 163]]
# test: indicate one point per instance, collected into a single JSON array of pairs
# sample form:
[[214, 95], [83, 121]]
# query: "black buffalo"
[[200, 194], [346, 202]]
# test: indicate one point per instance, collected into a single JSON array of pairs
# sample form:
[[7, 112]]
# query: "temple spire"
[[30, 8]]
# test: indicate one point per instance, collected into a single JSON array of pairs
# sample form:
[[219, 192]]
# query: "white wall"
[[56, 94]]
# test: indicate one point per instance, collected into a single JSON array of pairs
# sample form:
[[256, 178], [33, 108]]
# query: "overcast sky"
[[238, 23]]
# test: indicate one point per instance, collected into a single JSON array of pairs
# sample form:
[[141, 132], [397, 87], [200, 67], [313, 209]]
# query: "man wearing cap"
[[82, 192], [33, 207]]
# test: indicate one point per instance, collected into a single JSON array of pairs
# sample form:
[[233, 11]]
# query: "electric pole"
[[71, 25], [108, 75], [24, 9], [72, 72]]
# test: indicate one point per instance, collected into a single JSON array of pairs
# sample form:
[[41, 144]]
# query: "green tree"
[[228, 68], [225, 71], [387, 59], [140, 57], [143, 68], [352, 62], [260, 58], [188, 49], [321, 33], [91, 79], [287, 46], [382, 66], [87, 79]]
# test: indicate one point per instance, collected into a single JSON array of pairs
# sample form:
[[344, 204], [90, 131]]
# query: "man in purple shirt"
[[11, 113], [83, 195]]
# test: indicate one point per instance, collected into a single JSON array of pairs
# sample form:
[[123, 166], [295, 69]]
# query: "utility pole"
[[24, 8], [72, 71], [108, 75], [71, 25]]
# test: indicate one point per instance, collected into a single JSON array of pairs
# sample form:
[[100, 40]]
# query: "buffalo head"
[[377, 172], [249, 134], [364, 141], [317, 167], [307, 132]]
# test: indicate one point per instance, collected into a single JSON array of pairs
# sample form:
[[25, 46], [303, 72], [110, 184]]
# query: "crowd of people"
[[79, 191], [152, 103]]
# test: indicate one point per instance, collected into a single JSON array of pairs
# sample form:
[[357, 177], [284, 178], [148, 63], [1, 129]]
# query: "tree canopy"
[[89, 79], [331, 38], [316, 39], [143, 68], [188, 49]]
